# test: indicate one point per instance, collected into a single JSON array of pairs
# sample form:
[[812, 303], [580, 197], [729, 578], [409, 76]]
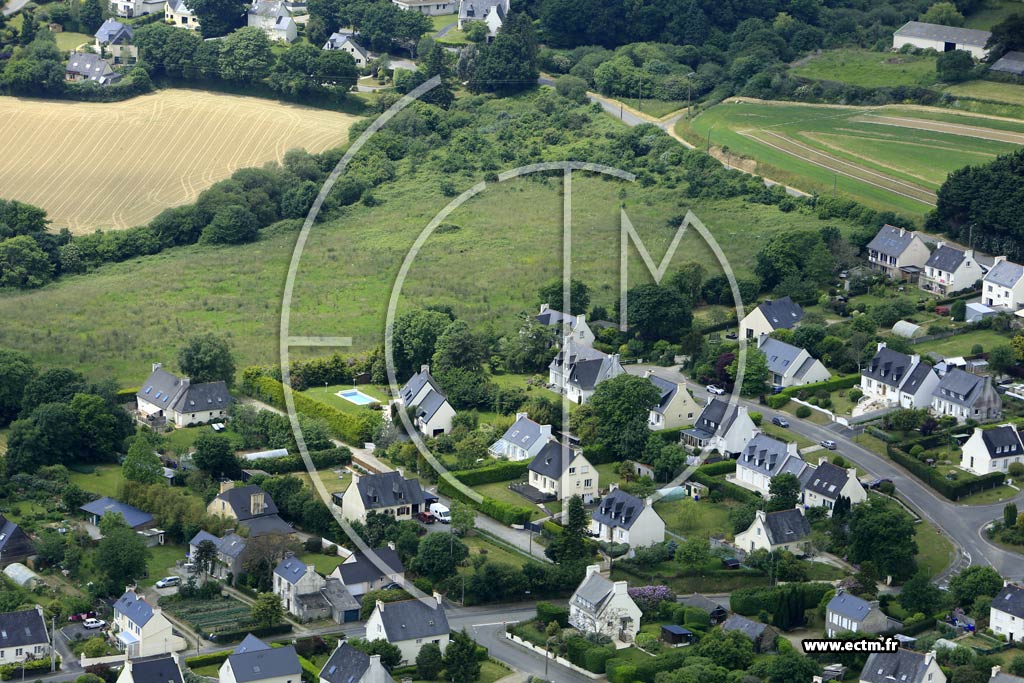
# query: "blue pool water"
[[357, 397]]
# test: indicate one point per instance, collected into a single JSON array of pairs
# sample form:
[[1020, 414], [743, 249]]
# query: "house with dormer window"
[[562, 471], [764, 458], [967, 397], [898, 253], [166, 398], [386, 493], [623, 518], [721, 427], [522, 441], [902, 666], [603, 607], [23, 636], [950, 270], [824, 483], [251, 506], [895, 378], [992, 450]]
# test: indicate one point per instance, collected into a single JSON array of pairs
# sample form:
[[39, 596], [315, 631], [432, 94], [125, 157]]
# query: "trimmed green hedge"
[[500, 471], [780, 399], [717, 468], [10, 671], [310, 673], [500, 511], [349, 427], [727, 488], [953, 490], [596, 659], [207, 659], [553, 528], [752, 601], [546, 613], [259, 632], [331, 457], [644, 670]]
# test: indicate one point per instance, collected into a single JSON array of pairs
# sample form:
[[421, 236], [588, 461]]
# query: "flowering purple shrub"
[[647, 598]]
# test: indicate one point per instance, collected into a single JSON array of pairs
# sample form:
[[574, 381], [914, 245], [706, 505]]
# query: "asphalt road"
[[961, 523]]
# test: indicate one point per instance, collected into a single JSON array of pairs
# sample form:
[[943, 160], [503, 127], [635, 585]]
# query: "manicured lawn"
[[180, 441], [869, 69], [687, 516], [816, 417], [479, 545], [608, 473], [453, 37], [499, 491], [783, 434], [490, 671], [210, 670], [325, 564], [331, 481], [104, 480], [1011, 93], [872, 443], [161, 559], [443, 20], [987, 497], [329, 396], [961, 344], [934, 550], [68, 40]]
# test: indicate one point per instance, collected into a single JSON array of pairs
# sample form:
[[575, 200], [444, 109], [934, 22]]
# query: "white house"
[[23, 635], [897, 252], [771, 315], [904, 666], [141, 630], [721, 427], [790, 365], [431, 8], [115, 39], [950, 270], [1003, 285], [894, 378], [387, 493], [563, 472], [824, 483], [764, 458], [346, 40], [136, 8], [602, 606], [164, 396], [272, 17], [847, 613], [432, 414], [410, 624], [360, 574], [177, 13], [164, 669], [308, 596], [577, 369], [941, 38], [771, 531], [491, 12], [253, 661], [624, 518], [1007, 609], [992, 450], [675, 408], [349, 665], [569, 326], [522, 441], [967, 397]]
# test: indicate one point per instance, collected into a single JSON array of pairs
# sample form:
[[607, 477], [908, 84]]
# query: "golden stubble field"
[[115, 165]]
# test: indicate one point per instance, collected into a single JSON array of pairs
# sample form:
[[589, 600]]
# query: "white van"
[[441, 512]]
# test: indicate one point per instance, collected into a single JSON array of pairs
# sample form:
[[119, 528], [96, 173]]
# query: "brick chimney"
[[226, 485], [439, 598], [544, 308], [157, 366], [425, 368], [184, 381]]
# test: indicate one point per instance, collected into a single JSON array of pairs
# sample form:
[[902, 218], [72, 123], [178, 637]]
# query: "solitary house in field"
[[941, 38], [164, 396]]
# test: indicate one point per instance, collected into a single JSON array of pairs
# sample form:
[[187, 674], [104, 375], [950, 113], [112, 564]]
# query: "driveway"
[[961, 523]]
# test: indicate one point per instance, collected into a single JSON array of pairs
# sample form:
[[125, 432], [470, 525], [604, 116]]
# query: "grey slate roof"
[[411, 619], [291, 569], [92, 67], [14, 542], [1005, 273], [891, 241], [1002, 677], [947, 34], [389, 489], [903, 666], [946, 258], [429, 405], [361, 569], [167, 391], [345, 665], [552, 460], [668, 391], [250, 662], [804, 367], [179, 7], [850, 606], [748, 627], [132, 515], [960, 387], [716, 418], [550, 316], [585, 373], [114, 32], [916, 377], [134, 607], [239, 499], [1002, 442], [618, 509], [888, 367], [701, 602], [592, 593], [770, 457], [779, 355], [26, 627], [826, 479], [1010, 600], [523, 433], [781, 313], [786, 526], [416, 384], [160, 669], [204, 536], [338, 596], [232, 545], [267, 524], [1010, 63]]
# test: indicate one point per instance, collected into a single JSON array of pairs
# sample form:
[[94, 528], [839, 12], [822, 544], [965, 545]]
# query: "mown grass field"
[[1011, 93], [889, 157], [115, 321], [116, 165], [993, 12], [869, 69]]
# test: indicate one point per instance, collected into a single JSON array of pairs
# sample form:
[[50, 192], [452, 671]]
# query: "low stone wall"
[[560, 660], [109, 659]]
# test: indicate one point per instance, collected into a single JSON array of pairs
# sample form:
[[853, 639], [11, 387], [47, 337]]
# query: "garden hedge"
[[500, 511], [10, 671], [646, 669], [349, 427], [310, 672], [331, 457], [727, 488], [596, 658], [207, 659], [953, 490], [491, 474], [259, 632], [546, 613], [721, 467], [780, 399]]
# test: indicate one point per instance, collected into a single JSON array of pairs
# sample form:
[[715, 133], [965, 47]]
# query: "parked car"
[[876, 483], [441, 512], [715, 389], [81, 616], [168, 581], [730, 563], [393, 587], [780, 422], [426, 517], [732, 335], [829, 444], [93, 623]]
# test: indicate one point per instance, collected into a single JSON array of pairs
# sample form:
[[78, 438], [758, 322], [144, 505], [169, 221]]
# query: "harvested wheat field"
[[116, 165]]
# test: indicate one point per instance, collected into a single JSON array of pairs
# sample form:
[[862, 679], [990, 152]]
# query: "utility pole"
[[709, 139], [835, 185], [640, 93], [53, 644]]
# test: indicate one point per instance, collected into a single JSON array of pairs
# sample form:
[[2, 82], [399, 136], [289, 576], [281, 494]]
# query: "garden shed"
[[676, 635]]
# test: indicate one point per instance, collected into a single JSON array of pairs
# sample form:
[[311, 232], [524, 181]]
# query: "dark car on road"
[[780, 422]]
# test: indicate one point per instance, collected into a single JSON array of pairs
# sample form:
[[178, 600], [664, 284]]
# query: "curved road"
[[961, 523]]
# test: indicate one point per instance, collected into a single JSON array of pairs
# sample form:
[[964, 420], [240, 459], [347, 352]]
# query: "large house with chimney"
[[902, 666], [823, 484], [409, 625], [166, 398], [578, 367], [386, 493], [522, 441], [764, 458], [141, 630], [1006, 616], [1002, 287], [603, 607], [675, 407], [308, 596], [992, 450], [892, 378], [721, 427], [774, 531], [251, 506], [949, 270], [966, 396], [898, 253], [771, 315], [432, 413], [561, 472], [24, 635], [621, 517]]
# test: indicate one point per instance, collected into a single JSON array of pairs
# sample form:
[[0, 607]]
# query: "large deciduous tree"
[[23, 264], [438, 555], [207, 358], [142, 464], [16, 370], [460, 661], [974, 582], [655, 312], [214, 455], [509, 64], [618, 411], [218, 17], [884, 535]]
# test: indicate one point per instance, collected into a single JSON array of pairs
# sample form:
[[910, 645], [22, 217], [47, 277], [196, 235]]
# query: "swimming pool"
[[357, 397]]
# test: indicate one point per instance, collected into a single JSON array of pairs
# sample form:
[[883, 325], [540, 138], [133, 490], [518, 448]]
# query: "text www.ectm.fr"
[[813, 645]]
